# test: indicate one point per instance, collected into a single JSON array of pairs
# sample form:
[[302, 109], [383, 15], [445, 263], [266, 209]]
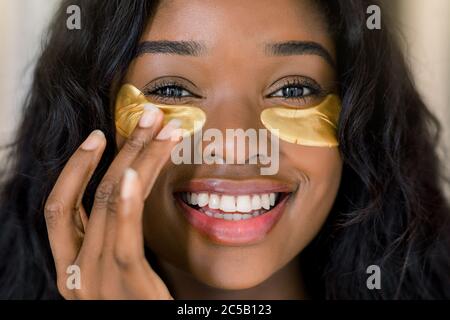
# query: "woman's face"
[[232, 71]]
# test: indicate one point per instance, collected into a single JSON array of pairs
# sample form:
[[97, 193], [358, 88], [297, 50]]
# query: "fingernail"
[[148, 117], [129, 179], [169, 130], [93, 141]]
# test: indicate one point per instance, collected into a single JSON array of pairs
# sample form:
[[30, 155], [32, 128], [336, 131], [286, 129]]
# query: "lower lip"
[[228, 232]]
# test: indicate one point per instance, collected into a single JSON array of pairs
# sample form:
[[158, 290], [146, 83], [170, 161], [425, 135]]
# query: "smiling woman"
[[140, 226]]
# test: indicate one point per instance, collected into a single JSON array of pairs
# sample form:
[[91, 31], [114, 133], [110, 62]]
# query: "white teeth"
[[231, 216], [209, 214], [194, 199], [243, 204], [272, 198], [228, 203], [248, 205], [228, 216], [214, 201], [203, 199], [265, 201], [237, 216], [256, 202]]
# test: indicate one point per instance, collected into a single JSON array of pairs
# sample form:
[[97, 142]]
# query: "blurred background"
[[424, 25]]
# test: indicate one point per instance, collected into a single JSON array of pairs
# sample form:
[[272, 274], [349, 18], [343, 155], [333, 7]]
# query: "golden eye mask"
[[130, 106], [315, 126]]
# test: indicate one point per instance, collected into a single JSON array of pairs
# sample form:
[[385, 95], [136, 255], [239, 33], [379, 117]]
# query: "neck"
[[286, 283]]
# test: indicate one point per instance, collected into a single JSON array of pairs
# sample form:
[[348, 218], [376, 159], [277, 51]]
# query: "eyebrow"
[[194, 48], [183, 48], [291, 48]]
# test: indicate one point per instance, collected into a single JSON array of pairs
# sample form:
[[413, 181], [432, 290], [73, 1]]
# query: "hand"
[[108, 248]]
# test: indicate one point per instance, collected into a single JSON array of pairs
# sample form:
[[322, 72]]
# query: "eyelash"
[[152, 91], [308, 84], [303, 84]]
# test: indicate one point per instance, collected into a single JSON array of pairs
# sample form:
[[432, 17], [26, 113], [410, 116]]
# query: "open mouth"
[[231, 207], [233, 212]]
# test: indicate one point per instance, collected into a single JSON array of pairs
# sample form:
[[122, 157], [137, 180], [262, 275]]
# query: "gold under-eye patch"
[[315, 126], [130, 106]]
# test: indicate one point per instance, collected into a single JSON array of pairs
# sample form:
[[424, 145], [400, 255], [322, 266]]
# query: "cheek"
[[321, 170]]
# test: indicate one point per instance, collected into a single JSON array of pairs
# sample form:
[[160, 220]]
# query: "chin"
[[232, 280]]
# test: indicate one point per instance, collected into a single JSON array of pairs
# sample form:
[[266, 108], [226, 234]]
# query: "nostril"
[[258, 158]]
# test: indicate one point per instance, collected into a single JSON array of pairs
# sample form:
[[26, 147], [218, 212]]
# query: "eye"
[[297, 89], [290, 92], [168, 91], [171, 91]]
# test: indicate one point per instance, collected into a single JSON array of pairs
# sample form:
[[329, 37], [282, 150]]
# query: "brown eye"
[[171, 92], [290, 92]]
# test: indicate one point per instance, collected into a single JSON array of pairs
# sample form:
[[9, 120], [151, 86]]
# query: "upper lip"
[[236, 187]]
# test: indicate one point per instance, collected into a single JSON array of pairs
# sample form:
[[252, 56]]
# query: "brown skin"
[[233, 80]]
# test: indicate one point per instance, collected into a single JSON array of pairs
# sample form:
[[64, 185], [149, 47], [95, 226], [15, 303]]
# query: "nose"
[[232, 133]]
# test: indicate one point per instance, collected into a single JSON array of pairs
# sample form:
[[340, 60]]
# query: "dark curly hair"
[[390, 209]]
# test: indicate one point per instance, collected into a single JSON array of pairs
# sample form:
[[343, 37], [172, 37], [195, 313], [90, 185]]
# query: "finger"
[[148, 125], [150, 162], [63, 206], [110, 226], [112, 215], [127, 244]]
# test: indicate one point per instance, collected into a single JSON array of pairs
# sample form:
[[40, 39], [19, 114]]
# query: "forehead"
[[235, 24]]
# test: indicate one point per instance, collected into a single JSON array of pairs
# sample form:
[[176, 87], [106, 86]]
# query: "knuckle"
[[53, 210], [134, 144], [125, 259], [113, 202], [103, 192]]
